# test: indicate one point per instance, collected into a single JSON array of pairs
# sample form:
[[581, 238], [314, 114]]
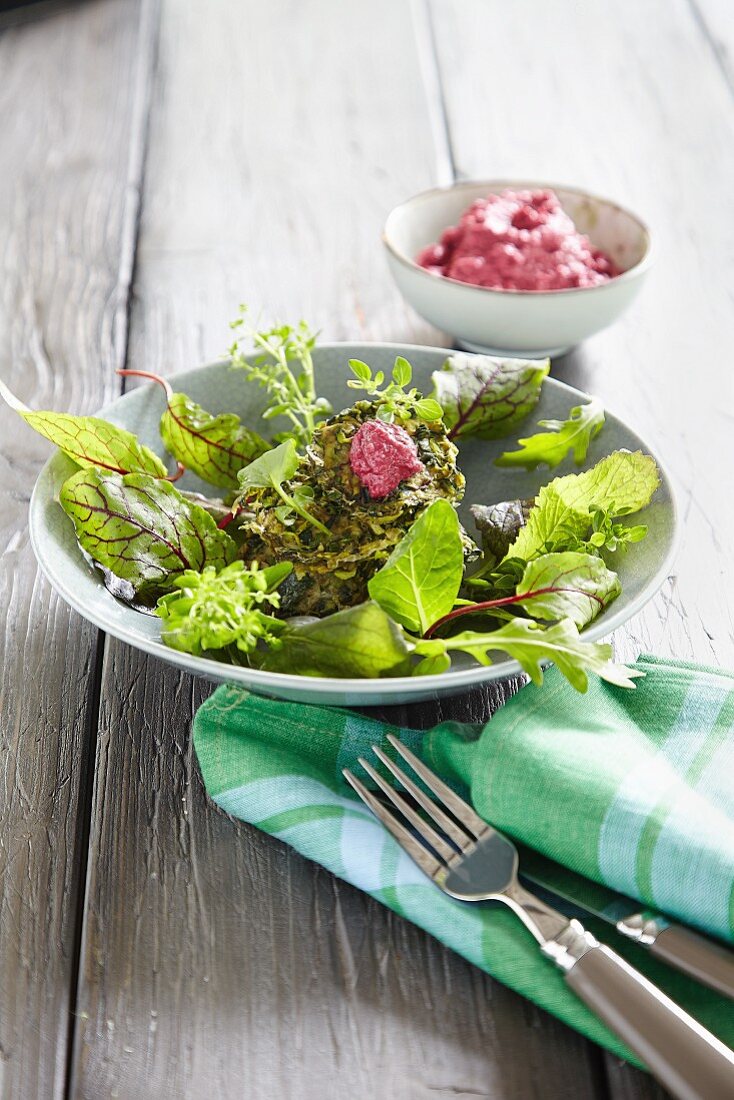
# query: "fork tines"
[[439, 850]]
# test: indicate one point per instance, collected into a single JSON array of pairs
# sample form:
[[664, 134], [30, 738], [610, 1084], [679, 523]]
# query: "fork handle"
[[686, 1058]]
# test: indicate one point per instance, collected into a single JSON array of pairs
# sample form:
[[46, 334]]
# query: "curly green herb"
[[215, 610]]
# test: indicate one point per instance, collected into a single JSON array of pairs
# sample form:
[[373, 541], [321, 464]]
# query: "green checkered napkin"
[[632, 788]]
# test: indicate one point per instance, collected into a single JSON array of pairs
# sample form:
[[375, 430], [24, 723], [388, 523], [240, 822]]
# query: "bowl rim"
[[377, 689], [628, 275]]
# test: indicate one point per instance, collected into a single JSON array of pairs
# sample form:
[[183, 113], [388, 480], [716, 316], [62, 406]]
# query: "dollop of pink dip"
[[382, 455], [518, 240]]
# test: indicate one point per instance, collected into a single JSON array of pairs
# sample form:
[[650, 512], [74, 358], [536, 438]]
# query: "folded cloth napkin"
[[633, 788]]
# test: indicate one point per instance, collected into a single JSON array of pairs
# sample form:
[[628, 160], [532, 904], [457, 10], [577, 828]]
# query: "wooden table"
[[162, 162]]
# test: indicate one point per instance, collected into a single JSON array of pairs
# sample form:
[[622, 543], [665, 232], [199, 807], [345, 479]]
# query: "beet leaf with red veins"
[[90, 441], [214, 447], [142, 529], [487, 397]]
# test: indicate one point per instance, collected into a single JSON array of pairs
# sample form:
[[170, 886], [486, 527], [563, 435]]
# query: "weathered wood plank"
[[66, 119], [717, 27], [624, 1082], [215, 959], [598, 100], [605, 108]]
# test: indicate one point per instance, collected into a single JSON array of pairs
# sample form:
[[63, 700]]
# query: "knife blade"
[[690, 952]]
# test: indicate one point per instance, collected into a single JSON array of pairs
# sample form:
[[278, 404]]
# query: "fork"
[[473, 862]]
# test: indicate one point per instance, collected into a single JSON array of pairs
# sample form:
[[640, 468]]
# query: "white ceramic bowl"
[[515, 322]]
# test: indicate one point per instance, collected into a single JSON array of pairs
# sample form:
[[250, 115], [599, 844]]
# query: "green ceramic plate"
[[219, 388]]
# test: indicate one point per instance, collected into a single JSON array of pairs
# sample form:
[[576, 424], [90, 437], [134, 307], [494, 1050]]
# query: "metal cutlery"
[[693, 954], [473, 862]]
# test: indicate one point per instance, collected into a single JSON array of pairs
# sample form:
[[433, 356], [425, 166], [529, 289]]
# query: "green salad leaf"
[[220, 512], [573, 585], [272, 468], [574, 434], [567, 586], [552, 525], [487, 397], [212, 610], [621, 483], [360, 641], [142, 529], [270, 471], [90, 441], [215, 448], [420, 580], [530, 644], [283, 365]]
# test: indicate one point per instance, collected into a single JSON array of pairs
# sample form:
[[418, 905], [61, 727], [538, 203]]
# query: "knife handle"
[[684, 1057], [708, 962]]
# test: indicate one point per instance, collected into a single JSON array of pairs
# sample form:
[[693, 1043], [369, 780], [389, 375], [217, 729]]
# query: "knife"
[[679, 947]]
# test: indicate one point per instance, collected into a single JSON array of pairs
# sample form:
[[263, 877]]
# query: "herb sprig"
[[285, 369], [394, 401], [212, 610], [270, 471]]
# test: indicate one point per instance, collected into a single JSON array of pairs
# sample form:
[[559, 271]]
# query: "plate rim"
[[436, 683]]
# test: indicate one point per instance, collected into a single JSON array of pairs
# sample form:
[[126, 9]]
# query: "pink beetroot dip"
[[382, 455], [518, 240]]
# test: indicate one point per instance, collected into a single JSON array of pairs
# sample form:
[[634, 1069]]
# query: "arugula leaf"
[[487, 397], [142, 529], [90, 441], [270, 471], [213, 447], [569, 585], [574, 434], [210, 610], [433, 664], [393, 400], [361, 641], [621, 483], [420, 580], [292, 392], [530, 644]]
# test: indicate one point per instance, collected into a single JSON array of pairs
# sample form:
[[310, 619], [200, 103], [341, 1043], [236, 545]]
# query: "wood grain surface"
[[628, 125], [292, 976], [168, 162], [66, 228]]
